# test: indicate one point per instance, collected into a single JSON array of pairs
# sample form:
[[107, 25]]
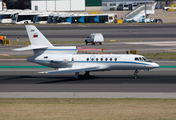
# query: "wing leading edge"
[[72, 70], [30, 47]]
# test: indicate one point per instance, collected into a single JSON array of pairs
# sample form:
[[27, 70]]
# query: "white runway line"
[[86, 95], [164, 43]]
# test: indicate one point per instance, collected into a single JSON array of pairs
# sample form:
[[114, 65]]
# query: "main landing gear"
[[136, 74], [87, 74]]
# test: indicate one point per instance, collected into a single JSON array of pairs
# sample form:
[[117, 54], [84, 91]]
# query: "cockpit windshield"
[[145, 59], [141, 59]]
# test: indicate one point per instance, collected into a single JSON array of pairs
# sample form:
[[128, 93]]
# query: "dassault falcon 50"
[[64, 59]]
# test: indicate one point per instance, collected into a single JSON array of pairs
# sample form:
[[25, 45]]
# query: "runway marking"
[[87, 95], [82, 25], [4, 54], [10, 59], [84, 48], [112, 40], [24, 67], [164, 43], [171, 50]]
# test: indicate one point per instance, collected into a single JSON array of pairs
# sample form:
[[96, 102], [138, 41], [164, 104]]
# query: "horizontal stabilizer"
[[72, 70], [30, 47]]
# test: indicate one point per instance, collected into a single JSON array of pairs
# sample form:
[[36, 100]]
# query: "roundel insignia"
[[65, 61]]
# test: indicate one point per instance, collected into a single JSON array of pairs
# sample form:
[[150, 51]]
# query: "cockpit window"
[[136, 58], [140, 59], [145, 59]]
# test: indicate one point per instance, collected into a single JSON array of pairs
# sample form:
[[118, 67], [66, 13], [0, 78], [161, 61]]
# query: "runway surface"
[[158, 83], [123, 32]]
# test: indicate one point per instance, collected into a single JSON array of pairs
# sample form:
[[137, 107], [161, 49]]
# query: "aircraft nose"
[[156, 65]]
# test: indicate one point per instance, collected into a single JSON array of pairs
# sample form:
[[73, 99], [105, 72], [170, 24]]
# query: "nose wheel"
[[136, 74], [87, 74]]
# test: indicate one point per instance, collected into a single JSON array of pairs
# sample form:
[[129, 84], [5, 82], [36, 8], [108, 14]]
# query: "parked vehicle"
[[134, 6], [157, 21], [24, 17], [94, 38], [6, 16], [42, 18], [120, 7], [125, 7], [129, 21], [167, 8]]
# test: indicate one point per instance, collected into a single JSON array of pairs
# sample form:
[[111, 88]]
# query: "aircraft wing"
[[30, 47], [72, 70]]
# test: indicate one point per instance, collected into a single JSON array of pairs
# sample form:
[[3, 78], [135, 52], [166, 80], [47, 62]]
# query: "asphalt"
[[80, 32], [27, 82], [112, 81]]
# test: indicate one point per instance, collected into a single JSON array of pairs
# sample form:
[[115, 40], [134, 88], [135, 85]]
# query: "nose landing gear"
[[86, 75], [136, 74]]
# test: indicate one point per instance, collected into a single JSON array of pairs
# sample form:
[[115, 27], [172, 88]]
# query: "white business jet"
[[66, 60]]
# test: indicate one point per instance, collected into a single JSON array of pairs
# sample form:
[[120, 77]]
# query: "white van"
[[134, 6], [125, 7], [95, 38]]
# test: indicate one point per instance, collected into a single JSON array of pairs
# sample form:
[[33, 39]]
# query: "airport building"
[[53, 5], [0, 4], [75, 5]]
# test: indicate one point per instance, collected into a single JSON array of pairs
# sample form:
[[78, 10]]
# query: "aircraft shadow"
[[103, 79]]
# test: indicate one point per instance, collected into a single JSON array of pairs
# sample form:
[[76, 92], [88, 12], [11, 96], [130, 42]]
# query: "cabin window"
[[45, 57], [87, 59], [92, 59], [96, 59], [106, 59], [101, 59], [136, 58], [115, 59], [72, 60], [110, 59], [140, 59]]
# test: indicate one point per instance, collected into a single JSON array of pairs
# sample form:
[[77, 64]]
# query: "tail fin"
[[36, 37]]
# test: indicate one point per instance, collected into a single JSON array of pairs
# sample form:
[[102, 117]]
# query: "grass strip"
[[13, 56], [87, 109], [162, 55]]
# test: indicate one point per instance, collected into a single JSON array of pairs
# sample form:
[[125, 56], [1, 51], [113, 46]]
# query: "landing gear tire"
[[87, 74], [77, 75], [136, 74], [100, 43], [86, 42], [26, 22]]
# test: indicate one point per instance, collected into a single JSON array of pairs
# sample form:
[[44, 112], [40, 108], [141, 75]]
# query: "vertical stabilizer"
[[36, 37]]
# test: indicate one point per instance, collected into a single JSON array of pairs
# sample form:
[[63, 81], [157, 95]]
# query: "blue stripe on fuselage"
[[99, 62]]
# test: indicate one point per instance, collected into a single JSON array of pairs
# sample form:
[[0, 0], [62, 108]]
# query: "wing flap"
[[72, 70], [30, 47]]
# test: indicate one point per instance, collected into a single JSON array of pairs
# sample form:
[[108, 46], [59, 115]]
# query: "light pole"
[[145, 11]]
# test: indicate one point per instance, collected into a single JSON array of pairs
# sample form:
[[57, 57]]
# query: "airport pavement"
[[125, 32], [157, 83], [110, 84]]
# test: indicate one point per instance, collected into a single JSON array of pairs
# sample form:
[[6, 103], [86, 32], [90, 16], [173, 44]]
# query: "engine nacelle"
[[62, 62]]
